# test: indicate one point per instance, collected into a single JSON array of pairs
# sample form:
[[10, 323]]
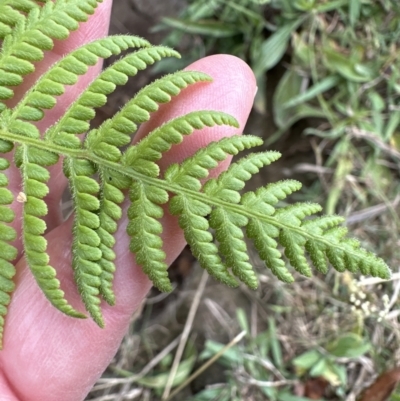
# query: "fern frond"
[[85, 246], [227, 185], [103, 165], [32, 162], [293, 241], [228, 225], [115, 133], [192, 212], [317, 251], [262, 233], [228, 232], [143, 156], [76, 121], [266, 197], [108, 138], [34, 178], [51, 84], [7, 234], [195, 227], [144, 211], [145, 229], [76, 118], [343, 253], [138, 109], [111, 196], [34, 35], [10, 15], [189, 173]]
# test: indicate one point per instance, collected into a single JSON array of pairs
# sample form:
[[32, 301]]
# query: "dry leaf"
[[382, 387], [315, 388]]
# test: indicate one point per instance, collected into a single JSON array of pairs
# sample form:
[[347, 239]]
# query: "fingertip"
[[230, 72], [233, 88]]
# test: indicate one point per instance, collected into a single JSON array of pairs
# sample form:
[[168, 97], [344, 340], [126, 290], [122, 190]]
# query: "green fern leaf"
[[107, 139], [263, 234], [103, 165], [227, 186], [144, 211], [195, 226], [192, 212], [111, 196], [65, 72], [145, 229], [34, 35], [7, 234], [138, 109], [10, 15], [189, 173], [293, 241], [34, 178], [228, 225], [77, 117], [143, 156], [317, 250], [85, 246], [266, 197]]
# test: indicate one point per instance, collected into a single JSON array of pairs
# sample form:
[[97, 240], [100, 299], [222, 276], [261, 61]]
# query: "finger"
[[69, 355], [96, 27]]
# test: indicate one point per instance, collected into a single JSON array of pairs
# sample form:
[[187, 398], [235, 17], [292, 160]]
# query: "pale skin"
[[47, 355]]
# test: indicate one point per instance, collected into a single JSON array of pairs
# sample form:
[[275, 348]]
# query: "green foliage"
[[339, 68], [102, 165], [323, 364], [258, 362], [255, 363]]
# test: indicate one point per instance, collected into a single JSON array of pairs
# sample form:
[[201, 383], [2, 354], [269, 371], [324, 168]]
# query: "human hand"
[[47, 355]]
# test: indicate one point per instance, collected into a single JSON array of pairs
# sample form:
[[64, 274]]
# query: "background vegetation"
[[328, 76]]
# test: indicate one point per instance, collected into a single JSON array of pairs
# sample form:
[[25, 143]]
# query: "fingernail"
[[255, 92]]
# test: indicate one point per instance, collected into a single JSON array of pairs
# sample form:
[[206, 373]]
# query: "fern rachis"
[[103, 169]]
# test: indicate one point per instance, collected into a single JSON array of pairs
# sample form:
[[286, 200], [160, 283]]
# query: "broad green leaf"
[[307, 360], [349, 345], [160, 381], [272, 50], [354, 11], [211, 394], [346, 66], [331, 5], [304, 5], [276, 349], [232, 356], [392, 125], [318, 88], [289, 87]]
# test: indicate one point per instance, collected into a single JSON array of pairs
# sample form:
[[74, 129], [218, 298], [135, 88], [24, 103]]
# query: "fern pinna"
[[103, 169]]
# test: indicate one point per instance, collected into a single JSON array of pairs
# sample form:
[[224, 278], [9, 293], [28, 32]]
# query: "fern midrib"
[[160, 183], [24, 177]]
